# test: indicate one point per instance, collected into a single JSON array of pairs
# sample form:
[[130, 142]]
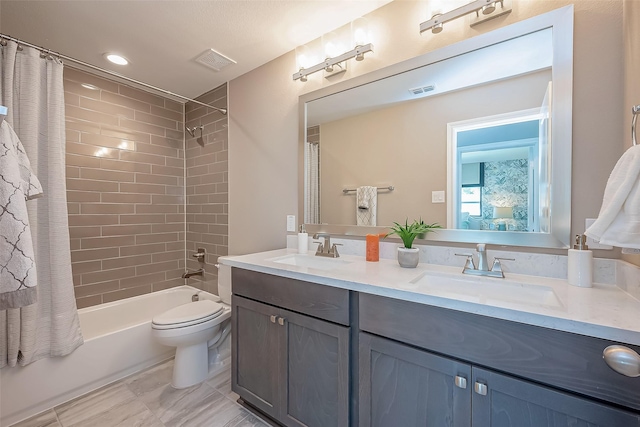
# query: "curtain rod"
[[111, 73]]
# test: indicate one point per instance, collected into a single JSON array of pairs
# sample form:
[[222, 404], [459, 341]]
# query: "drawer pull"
[[281, 321], [461, 382], [623, 360], [273, 318], [481, 389]]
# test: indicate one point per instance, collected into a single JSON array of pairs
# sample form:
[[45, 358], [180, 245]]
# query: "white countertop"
[[603, 311]]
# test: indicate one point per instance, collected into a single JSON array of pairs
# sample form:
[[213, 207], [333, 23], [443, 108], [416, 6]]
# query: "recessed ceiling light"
[[116, 59]]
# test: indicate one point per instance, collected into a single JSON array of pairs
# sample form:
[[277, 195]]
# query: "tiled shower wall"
[[207, 186], [125, 189]]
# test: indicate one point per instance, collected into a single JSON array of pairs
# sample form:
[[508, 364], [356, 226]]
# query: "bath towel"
[[366, 203], [618, 222], [18, 277]]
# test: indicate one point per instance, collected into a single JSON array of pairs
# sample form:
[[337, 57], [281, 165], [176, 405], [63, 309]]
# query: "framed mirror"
[[475, 136]]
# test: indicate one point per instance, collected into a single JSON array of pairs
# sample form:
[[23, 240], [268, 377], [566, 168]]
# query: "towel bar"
[[636, 111], [390, 188]]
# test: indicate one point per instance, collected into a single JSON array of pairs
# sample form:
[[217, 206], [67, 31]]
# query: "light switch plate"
[[291, 223], [437, 197], [590, 242]]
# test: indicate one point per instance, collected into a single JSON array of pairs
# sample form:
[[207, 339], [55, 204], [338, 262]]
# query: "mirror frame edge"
[[562, 22]]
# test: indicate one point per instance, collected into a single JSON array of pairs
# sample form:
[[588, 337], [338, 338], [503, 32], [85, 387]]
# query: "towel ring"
[[636, 111]]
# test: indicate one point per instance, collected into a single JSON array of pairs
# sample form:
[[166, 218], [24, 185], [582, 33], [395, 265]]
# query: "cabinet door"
[[503, 401], [404, 386], [255, 354], [315, 372]]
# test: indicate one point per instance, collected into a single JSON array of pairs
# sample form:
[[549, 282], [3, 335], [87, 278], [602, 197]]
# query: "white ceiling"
[[162, 38]]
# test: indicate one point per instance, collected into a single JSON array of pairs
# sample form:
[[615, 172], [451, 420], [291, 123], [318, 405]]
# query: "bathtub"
[[117, 343]]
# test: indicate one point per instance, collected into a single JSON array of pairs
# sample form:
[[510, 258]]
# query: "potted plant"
[[408, 256]]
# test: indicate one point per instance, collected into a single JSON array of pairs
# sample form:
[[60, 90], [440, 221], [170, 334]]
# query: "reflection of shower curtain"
[[32, 89], [311, 183]]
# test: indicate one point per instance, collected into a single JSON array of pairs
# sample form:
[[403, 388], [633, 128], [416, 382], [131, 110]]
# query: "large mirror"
[[475, 136]]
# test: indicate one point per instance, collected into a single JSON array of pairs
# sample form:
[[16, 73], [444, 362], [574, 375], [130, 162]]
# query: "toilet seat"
[[189, 314]]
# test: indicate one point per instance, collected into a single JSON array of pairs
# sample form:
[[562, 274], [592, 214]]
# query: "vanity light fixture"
[[329, 63], [489, 8], [356, 34]]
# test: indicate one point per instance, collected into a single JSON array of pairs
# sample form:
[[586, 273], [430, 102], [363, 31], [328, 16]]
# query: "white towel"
[[366, 203], [18, 277], [618, 222]]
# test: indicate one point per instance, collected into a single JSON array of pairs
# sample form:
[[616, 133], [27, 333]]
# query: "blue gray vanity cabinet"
[[292, 365], [521, 375]]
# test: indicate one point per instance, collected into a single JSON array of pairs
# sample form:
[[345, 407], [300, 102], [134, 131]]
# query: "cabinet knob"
[[623, 360], [273, 318], [281, 321], [481, 389], [461, 382]]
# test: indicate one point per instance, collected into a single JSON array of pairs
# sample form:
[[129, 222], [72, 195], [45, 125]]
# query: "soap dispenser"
[[303, 240], [580, 263]]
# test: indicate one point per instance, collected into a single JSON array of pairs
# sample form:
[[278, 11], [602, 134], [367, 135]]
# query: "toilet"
[[198, 330]]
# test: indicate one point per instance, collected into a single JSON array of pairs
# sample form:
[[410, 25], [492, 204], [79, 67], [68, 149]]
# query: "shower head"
[[192, 131]]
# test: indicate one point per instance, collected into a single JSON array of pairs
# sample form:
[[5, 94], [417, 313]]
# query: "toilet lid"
[[189, 312]]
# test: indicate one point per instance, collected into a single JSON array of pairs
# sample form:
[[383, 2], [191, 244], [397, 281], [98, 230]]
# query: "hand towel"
[[366, 196], [618, 222], [362, 197], [18, 277]]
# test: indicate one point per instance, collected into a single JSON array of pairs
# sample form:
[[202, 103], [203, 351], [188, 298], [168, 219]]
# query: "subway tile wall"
[[125, 189], [207, 186]]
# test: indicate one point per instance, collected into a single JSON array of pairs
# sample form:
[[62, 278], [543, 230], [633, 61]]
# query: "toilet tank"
[[224, 283]]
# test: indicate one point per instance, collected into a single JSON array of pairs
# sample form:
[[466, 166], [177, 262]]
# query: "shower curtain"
[[311, 183], [32, 88]]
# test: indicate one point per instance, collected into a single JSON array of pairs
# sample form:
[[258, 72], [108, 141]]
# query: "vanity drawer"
[[323, 302], [565, 360]]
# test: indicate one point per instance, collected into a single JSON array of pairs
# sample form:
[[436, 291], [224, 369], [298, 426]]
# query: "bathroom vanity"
[[371, 344]]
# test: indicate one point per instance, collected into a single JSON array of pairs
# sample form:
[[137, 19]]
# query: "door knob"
[[623, 360]]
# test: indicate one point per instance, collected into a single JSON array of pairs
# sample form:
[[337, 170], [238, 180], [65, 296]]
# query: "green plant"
[[409, 232]]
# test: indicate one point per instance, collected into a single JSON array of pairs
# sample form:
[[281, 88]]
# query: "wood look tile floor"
[[146, 399]]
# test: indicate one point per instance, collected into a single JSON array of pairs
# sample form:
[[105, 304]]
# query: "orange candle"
[[373, 247]]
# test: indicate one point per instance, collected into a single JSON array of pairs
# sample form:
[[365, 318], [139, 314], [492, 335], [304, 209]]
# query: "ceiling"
[[162, 38]]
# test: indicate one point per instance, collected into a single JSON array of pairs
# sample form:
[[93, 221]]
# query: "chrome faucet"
[[326, 249], [483, 265], [187, 274]]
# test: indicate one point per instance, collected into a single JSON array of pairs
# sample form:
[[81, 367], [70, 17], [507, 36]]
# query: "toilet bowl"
[[196, 329]]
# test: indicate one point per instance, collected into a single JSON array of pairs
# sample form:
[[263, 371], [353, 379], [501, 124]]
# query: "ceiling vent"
[[214, 60], [422, 89]]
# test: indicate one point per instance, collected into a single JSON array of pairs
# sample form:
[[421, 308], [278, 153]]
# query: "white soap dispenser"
[[580, 263], [303, 240]]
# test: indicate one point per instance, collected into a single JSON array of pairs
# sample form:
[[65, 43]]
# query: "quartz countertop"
[[603, 311]]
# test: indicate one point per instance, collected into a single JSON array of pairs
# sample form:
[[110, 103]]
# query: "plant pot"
[[408, 258]]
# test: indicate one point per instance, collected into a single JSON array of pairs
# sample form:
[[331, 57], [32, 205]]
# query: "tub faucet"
[[483, 266], [187, 274]]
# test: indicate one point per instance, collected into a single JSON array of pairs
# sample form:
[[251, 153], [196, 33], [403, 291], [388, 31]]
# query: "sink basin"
[[499, 292], [311, 261]]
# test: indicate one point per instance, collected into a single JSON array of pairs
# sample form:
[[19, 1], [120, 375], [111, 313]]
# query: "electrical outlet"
[[592, 243], [291, 223], [437, 197]]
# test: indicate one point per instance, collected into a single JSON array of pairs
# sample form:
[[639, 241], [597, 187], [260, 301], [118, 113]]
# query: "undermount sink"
[[487, 291], [311, 261]]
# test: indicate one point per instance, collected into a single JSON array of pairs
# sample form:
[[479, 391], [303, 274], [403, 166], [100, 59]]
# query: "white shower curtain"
[[311, 183], [32, 89]]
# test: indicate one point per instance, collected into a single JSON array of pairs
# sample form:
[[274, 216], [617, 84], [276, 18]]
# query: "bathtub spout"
[[187, 274]]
